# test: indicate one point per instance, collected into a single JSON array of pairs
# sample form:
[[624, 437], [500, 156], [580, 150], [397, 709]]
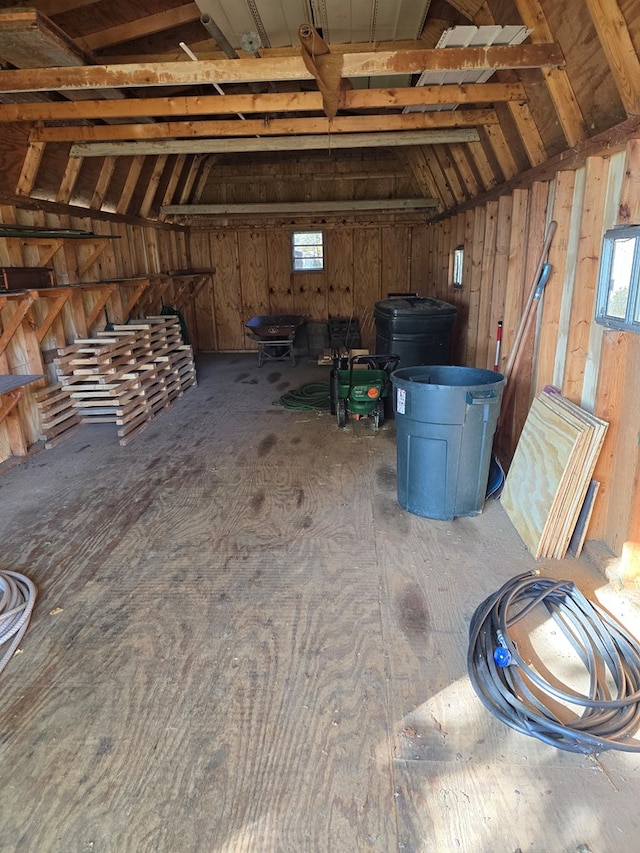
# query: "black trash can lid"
[[412, 305]]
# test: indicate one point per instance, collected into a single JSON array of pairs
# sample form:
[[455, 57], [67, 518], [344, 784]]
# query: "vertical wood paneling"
[[339, 260], [254, 280], [366, 272], [200, 248], [486, 283], [475, 283], [310, 294], [500, 268], [552, 297], [419, 260], [226, 292], [537, 224], [582, 309], [395, 260], [279, 263]]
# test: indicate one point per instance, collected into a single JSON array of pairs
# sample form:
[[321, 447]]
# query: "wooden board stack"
[[550, 475], [58, 416], [128, 374]]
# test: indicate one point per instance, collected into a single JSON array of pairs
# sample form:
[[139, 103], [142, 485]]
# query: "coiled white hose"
[[17, 599]]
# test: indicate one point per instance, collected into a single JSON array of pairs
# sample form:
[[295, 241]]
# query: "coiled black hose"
[[516, 693]]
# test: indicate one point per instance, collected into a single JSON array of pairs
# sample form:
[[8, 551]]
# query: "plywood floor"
[[242, 643]]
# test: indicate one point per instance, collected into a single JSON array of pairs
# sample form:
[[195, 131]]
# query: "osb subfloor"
[[243, 643]]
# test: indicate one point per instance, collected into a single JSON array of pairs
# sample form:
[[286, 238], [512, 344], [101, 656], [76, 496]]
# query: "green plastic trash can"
[[445, 421]]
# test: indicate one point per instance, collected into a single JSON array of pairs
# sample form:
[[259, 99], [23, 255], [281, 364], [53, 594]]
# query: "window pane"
[[620, 278], [308, 250]]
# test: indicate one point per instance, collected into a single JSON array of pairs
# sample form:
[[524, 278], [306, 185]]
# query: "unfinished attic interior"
[[239, 631]]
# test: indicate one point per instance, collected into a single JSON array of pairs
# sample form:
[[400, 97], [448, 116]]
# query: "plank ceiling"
[[181, 110]]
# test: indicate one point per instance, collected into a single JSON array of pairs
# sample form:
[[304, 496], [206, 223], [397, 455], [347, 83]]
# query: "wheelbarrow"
[[361, 393], [274, 334]]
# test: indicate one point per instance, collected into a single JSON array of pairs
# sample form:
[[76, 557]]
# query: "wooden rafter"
[[152, 186], [558, 83], [196, 162], [30, 167], [102, 184], [174, 178], [141, 27], [275, 127], [67, 185], [620, 51], [298, 207], [269, 102], [371, 64], [130, 184], [326, 141]]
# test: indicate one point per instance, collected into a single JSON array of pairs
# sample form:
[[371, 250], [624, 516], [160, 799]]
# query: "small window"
[[618, 299], [307, 250], [458, 264]]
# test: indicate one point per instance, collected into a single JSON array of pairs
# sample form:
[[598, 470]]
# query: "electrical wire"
[[17, 599], [517, 694], [312, 396]]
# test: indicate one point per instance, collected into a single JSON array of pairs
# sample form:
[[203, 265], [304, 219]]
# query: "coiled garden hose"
[[17, 599], [516, 693], [312, 396]]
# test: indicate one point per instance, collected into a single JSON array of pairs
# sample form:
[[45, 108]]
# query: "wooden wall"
[[252, 276], [594, 367], [125, 276]]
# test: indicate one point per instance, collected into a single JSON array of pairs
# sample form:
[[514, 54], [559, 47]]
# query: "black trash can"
[[415, 328], [445, 421]]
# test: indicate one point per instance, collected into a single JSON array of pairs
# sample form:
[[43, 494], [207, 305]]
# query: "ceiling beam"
[[298, 207], [279, 143], [270, 102], [371, 64], [261, 127]]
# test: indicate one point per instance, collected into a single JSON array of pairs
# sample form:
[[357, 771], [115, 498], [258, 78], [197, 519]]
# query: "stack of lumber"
[[127, 375], [550, 475], [58, 416]]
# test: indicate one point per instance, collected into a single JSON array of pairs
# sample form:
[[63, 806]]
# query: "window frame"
[[457, 266], [631, 320], [294, 246]]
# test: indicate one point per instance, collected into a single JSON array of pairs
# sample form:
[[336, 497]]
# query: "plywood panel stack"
[[551, 471]]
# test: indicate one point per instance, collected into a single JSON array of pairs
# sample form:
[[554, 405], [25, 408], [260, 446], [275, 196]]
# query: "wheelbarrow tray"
[[274, 326]]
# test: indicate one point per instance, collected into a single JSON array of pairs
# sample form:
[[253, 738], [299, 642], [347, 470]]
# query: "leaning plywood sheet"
[[544, 451], [567, 510]]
